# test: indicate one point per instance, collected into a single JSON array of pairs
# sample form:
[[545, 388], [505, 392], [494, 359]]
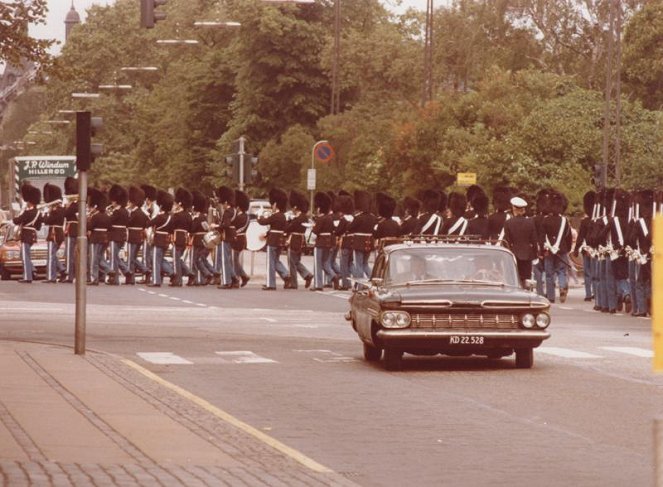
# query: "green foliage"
[[16, 45]]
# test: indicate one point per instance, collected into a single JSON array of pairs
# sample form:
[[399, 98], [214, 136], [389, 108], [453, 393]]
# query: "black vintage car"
[[435, 296]]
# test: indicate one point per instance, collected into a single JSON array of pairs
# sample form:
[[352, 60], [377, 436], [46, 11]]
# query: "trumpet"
[[71, 198], [109, 210], [48, 205]]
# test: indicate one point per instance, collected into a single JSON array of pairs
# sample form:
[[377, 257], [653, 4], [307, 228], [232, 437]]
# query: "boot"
[[129, 279], [147, 277]]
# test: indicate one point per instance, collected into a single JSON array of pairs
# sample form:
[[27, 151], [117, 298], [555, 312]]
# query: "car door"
[[367, 303]]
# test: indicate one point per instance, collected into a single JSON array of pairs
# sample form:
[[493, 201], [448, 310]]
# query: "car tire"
[[371, 353], [524, 358], [393, 359], [5, 275]]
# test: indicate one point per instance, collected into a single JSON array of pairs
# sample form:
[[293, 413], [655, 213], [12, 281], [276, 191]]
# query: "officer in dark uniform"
[[71, 227], [30, 223], [361, 230], [277, 223], [136, 225], [241, 224], [410, 225], [117, 235], [296, 238], [181, 222], [98, 225], [457, 223], [54, 218], [479, 224], [520, 234], [501, 205], [430, 222], [324, 241], [386, 226], [582, 244], [346, 206], [163, 228]]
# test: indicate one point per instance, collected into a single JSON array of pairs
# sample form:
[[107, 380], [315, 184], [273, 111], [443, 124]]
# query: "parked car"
[[10, 252], [444, 296]]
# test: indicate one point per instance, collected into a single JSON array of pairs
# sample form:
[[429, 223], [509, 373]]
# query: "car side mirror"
[[530, 284]]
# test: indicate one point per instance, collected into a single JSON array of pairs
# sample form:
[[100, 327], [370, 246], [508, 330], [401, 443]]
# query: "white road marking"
[[163, 358], [568, 308], [200, 304], [151, 292], [269, 320], [638, 352], [313, 351], [174, 298], [187, 301], [328, 356], [327, 293], [566, 352], [142, 289], [162, 295], [39, 310], [244, 357]]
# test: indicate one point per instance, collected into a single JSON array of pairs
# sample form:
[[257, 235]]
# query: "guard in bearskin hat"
[[54, 218], [119, 221], [324, 242], [296, 238], [224, 263], [98, 225], [387, 226], [457, 223], [136, 225], [430, 221], [30, 223], [618, 264], [162, 230], [501, 206], [471, 193], [542, 210], [71, 227], [582, 243], [479, 224], [361, 231], [181, 225], [346, 206], [151, 209], [646, 209], [277, 223], [556, 240], [410, 224], [241, 223], [204, 271]]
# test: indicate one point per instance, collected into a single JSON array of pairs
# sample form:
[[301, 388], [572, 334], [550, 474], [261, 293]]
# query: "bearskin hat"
[[362, 201], [97, 198], [622, 203], [412, 205], [645, 199], [457, 204], [543, 201], [280, 198], [480, 204], [588, 200], [52, 192], [150, 192], [70, 185], [472, 192], [386, 205], [345, 204], [242, 200], [299, 201], [431, 199], [31, 194], [165, 200], [501, 198], [183, 198], [136, 196], [609, 200], [322, 201], [118, 194], [557, 202], [199, 201], [342, 192], [226, 195]]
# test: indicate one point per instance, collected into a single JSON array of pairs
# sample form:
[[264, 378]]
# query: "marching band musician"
[[71, 227], [119, 220], [54, 218], [556, 241], [199, 227], [226, 197], [631, 248], [501, 204], [479, 224], [136, 225], [151, 209], [98, 224], [162, 230], [336, 219], [30, 223], [324, 241], [457, 223], [430, 222], [582, 244], [361, 231], [241, 223], [295, 230], [180, 224], [277, 223], [346, 206], [410, 224], [618, 260], [386, 226], [643, 239]]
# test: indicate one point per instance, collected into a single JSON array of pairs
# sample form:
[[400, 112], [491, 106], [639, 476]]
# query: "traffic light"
[[597, 176], [233, 170], [250, 169], [148, 16], [87, 127]]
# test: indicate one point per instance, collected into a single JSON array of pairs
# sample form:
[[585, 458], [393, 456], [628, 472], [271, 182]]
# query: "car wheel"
[[371, 353], [524, 358], [393, 359], [5, 275]]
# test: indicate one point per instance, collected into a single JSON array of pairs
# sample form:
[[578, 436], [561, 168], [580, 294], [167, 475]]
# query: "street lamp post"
[[311, 180]]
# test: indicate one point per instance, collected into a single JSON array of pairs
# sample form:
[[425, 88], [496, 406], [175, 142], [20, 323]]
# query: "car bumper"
[[460, 340]]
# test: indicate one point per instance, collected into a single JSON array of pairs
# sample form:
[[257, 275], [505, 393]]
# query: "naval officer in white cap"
[[520, 234]]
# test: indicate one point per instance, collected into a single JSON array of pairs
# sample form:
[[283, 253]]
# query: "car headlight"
[[13, 255], [542, 320], [528, 320], [395, 319]]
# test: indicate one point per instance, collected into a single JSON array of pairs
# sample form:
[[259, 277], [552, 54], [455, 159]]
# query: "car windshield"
[[413, 266]]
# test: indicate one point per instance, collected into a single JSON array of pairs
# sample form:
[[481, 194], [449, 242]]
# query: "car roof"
[[440, 245]]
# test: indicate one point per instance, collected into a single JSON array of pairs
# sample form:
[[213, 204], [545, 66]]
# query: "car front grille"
[[467, 320], [39, 254]]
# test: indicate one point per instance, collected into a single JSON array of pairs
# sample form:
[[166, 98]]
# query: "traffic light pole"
[[81, 265], [242, 153]]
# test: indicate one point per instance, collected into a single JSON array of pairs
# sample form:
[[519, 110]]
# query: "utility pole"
[[618, 95], [336, 61], [241, 153], [427, 89]]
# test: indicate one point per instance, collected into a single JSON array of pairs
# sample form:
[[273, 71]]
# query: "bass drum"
[[212, 239], [256, 236]]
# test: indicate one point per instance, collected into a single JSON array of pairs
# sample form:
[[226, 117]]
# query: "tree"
[[16, 45]]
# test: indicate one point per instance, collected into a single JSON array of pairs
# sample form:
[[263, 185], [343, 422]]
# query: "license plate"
[[38, 263], [465, 340]]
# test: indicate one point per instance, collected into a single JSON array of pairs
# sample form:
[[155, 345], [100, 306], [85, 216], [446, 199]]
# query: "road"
[[288, 364]]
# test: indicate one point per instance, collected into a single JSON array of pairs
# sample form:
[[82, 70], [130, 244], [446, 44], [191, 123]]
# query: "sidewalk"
[[68, 420]]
